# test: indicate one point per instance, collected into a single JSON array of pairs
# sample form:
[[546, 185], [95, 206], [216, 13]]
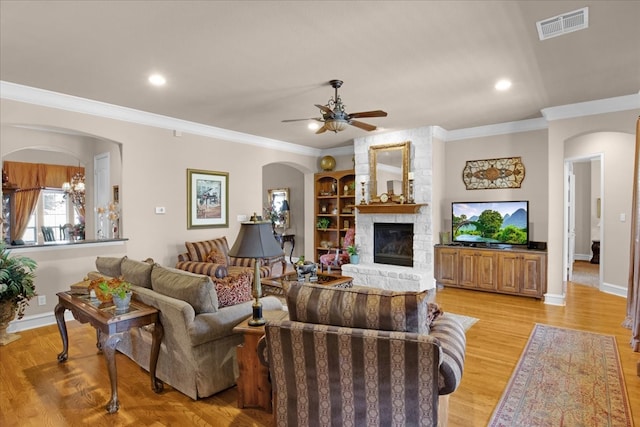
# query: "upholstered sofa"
[[211, 257], [362, 356], [198, 349]]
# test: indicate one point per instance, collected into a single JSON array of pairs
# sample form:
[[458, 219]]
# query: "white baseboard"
[[554, 299], [582, 257], [614, 290], [36, 321]]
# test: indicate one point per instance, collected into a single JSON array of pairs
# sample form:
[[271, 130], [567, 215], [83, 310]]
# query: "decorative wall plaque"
[[507, 172]]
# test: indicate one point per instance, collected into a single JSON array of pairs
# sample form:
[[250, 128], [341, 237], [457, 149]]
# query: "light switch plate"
[[160, 210]]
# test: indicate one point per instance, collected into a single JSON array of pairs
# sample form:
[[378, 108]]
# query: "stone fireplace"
[[371, 272]]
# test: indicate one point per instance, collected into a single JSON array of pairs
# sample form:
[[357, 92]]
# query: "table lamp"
[[255, 240]]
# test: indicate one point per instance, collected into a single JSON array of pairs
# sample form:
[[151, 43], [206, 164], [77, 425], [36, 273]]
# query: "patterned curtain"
[[30, 179], [633, 297]]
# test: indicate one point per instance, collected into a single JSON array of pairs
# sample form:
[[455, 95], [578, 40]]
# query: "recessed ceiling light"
[[157, 79], [503, 84], [313, 126]]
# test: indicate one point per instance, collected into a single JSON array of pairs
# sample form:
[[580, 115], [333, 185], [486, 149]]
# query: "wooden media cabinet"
[[512, 271]]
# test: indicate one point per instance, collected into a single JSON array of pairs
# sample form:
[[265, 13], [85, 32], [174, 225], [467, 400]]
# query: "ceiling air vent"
[[563, 24]]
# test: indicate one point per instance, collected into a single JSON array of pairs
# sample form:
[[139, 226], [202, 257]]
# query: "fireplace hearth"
[[393, 244]]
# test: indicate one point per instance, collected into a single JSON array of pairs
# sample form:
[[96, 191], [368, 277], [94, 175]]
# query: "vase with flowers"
[[17, 274], [115, 289]]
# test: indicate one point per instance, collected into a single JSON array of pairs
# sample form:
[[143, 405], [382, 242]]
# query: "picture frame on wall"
[[207, 199]]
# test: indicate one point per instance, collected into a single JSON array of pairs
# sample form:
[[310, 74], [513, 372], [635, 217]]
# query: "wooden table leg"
[[254, 388], [158, 333], [108, 345], [62, 327]]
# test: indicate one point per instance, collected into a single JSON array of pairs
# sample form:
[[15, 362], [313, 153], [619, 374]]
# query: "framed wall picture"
[[207, 199]]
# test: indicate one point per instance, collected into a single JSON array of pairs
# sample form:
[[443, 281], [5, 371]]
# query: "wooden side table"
[[110, 327], [254, 388]]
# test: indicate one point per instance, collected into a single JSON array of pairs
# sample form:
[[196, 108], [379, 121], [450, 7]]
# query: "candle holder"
[[410, 195], [363, 201]]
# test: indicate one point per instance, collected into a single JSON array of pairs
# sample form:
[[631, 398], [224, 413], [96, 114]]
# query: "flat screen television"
[[490, 222]]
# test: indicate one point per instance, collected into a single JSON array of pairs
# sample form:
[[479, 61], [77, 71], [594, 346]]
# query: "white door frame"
[[568, 169]]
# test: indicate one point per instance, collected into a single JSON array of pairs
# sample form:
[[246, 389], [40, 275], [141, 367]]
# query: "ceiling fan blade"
[[362, 125], [324, 108], [302, 120], [322, 129], [375, 113]]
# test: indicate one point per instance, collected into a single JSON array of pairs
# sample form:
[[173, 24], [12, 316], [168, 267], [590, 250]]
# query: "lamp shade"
[[255, 240], [285, 206]]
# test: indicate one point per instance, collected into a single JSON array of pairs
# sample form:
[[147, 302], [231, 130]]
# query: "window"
[[52, 210]]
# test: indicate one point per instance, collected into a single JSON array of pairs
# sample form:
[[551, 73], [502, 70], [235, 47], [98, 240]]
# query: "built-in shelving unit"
[[335, 194]]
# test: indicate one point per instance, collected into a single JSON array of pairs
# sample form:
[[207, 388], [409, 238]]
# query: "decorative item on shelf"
[[75, 190], [346, 190], [255, 240], [323, 223], [334, 187], [327, 163], [113, 215], [16, 289], [410, 176], [354, 257], [101, 210], [363, 181], [345, 224]]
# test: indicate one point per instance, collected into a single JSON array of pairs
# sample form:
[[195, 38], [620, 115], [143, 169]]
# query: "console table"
[[282, 238], [110, 327]]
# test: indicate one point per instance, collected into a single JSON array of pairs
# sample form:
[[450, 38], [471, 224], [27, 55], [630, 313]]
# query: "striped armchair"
[[328, 368]]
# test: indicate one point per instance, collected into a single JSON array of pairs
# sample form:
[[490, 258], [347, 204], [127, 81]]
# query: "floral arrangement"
[[273, 215], [16, 279], [106, 289]]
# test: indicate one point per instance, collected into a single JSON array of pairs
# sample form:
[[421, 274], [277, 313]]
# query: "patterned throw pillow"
[[216, 257], [365, 308], [233, 290]]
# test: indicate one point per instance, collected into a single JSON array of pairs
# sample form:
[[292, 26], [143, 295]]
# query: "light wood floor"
[[35, 390]]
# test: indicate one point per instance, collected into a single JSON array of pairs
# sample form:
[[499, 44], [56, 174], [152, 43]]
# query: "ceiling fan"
[[335, 118]]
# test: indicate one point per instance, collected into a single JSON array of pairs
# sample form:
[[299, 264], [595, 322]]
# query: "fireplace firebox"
[[393, 244]]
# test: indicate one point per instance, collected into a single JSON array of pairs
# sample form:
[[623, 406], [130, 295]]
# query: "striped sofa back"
[[337, 376]]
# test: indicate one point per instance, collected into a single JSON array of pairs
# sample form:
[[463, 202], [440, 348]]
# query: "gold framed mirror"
[[389, 169], [279, 203]]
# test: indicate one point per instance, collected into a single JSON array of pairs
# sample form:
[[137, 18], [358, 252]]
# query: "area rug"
[[565, 377], [465, 321]]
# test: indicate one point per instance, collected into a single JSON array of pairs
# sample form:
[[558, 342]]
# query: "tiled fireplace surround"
[[419, 277]]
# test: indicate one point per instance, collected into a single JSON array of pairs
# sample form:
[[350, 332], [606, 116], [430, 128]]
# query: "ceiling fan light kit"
[[335, 118]]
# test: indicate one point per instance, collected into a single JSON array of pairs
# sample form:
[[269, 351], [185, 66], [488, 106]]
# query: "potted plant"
[[16, 289], [323, 223], [120, 291], [354, 257]]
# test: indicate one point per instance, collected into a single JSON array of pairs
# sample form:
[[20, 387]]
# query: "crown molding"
[[589, 108], [497, 129], [46, 98]]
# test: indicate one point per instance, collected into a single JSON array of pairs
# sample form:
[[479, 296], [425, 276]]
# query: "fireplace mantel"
[[390, 208]]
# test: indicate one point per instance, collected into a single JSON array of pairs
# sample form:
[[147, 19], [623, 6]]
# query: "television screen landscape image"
[[490, 222]]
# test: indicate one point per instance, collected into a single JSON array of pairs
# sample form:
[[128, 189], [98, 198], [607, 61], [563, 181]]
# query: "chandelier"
[[75, 190]]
